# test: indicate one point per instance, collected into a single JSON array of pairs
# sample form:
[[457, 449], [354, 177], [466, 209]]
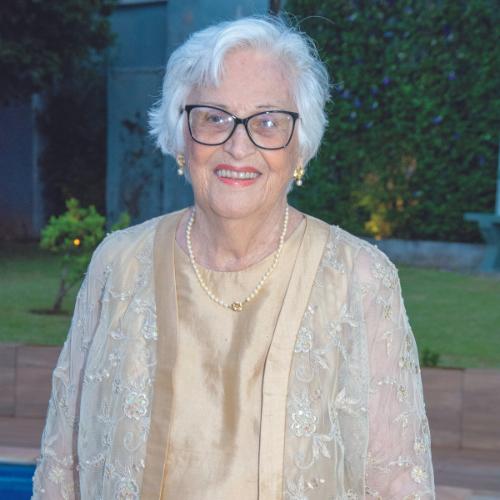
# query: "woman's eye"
[[214, 118], [267, 123]]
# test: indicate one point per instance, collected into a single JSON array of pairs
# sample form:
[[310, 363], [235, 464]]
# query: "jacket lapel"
[[279, 359], [166, 313]]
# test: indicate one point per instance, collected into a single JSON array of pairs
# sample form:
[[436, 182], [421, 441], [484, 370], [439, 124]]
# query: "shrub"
[[74, 235], [429, 359]]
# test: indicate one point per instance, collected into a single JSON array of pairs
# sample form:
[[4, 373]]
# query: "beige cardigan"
[[342, 409]]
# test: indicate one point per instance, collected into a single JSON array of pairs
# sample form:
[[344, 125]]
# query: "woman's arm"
[[56, 475], [399, 462]]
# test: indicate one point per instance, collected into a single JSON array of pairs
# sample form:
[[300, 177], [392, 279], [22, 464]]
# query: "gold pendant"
[[237, 306]]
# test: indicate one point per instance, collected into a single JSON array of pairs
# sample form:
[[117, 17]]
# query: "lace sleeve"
[[399, 462], [56, 475]]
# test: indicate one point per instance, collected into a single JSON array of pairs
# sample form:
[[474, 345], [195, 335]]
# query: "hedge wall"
[[414, 118]]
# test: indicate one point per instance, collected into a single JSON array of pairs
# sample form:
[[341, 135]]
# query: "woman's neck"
[[224, 244]]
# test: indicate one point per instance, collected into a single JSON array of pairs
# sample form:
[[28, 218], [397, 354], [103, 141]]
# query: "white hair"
[[199, 62]]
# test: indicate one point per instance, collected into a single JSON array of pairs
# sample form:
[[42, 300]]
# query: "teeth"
[[231, 174]]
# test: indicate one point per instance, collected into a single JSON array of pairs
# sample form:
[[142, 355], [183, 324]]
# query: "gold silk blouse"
[[342, 410], [218, 377]]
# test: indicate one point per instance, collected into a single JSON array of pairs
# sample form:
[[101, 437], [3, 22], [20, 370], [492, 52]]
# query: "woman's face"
[[252, 82]]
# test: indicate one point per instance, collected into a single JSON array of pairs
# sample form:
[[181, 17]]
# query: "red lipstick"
[[236, 176]]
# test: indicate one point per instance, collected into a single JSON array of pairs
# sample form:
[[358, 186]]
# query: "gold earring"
[[181, 163], [298, 174]]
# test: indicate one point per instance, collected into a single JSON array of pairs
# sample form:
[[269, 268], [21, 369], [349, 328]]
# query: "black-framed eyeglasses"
[[212, 126]]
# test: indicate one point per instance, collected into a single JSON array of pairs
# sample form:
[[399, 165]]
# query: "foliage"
[[41, 40], [429, 358], [415, 115], [75, 234], [57, 48], [73, 125]]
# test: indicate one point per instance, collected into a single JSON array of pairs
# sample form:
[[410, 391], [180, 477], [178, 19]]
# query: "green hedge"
[[414, 117]]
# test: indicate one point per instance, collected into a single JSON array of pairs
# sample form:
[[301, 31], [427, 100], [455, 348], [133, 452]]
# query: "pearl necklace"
[[235, 306]]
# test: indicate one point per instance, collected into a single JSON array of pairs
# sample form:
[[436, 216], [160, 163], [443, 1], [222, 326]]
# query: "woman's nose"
[[239, 144]]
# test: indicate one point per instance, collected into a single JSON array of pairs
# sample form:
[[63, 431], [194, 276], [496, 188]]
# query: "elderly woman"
[[238, 348]]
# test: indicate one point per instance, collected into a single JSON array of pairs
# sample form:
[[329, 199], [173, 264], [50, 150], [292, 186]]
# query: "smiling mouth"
[[234, 174]]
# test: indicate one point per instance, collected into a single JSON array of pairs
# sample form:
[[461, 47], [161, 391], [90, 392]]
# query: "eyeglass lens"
[[269, 129]]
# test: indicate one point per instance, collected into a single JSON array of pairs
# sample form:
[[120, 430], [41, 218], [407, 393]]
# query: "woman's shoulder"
[[359, 245], [353, 254], [368, 260], [125, 244], [123, 239]]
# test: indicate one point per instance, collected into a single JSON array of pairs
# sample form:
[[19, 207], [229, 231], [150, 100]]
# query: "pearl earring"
[[298, 174], [181, 163]]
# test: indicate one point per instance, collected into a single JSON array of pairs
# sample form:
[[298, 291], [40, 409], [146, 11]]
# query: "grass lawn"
[[29, 280], [456, 315]]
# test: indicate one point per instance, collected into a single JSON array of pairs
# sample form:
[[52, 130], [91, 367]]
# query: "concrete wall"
[[20, 199], [443, 255], [139, 179]]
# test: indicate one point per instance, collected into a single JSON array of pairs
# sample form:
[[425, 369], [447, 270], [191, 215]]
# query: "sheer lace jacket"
[[343, 414]]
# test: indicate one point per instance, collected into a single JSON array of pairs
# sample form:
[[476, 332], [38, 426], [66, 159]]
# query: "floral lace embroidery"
[[418, 474], [331, 255], [315, 353], [304, 340], [126, 368], [126, 489], [303, 419], [297, 490], [387, 274], [135, 405]]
